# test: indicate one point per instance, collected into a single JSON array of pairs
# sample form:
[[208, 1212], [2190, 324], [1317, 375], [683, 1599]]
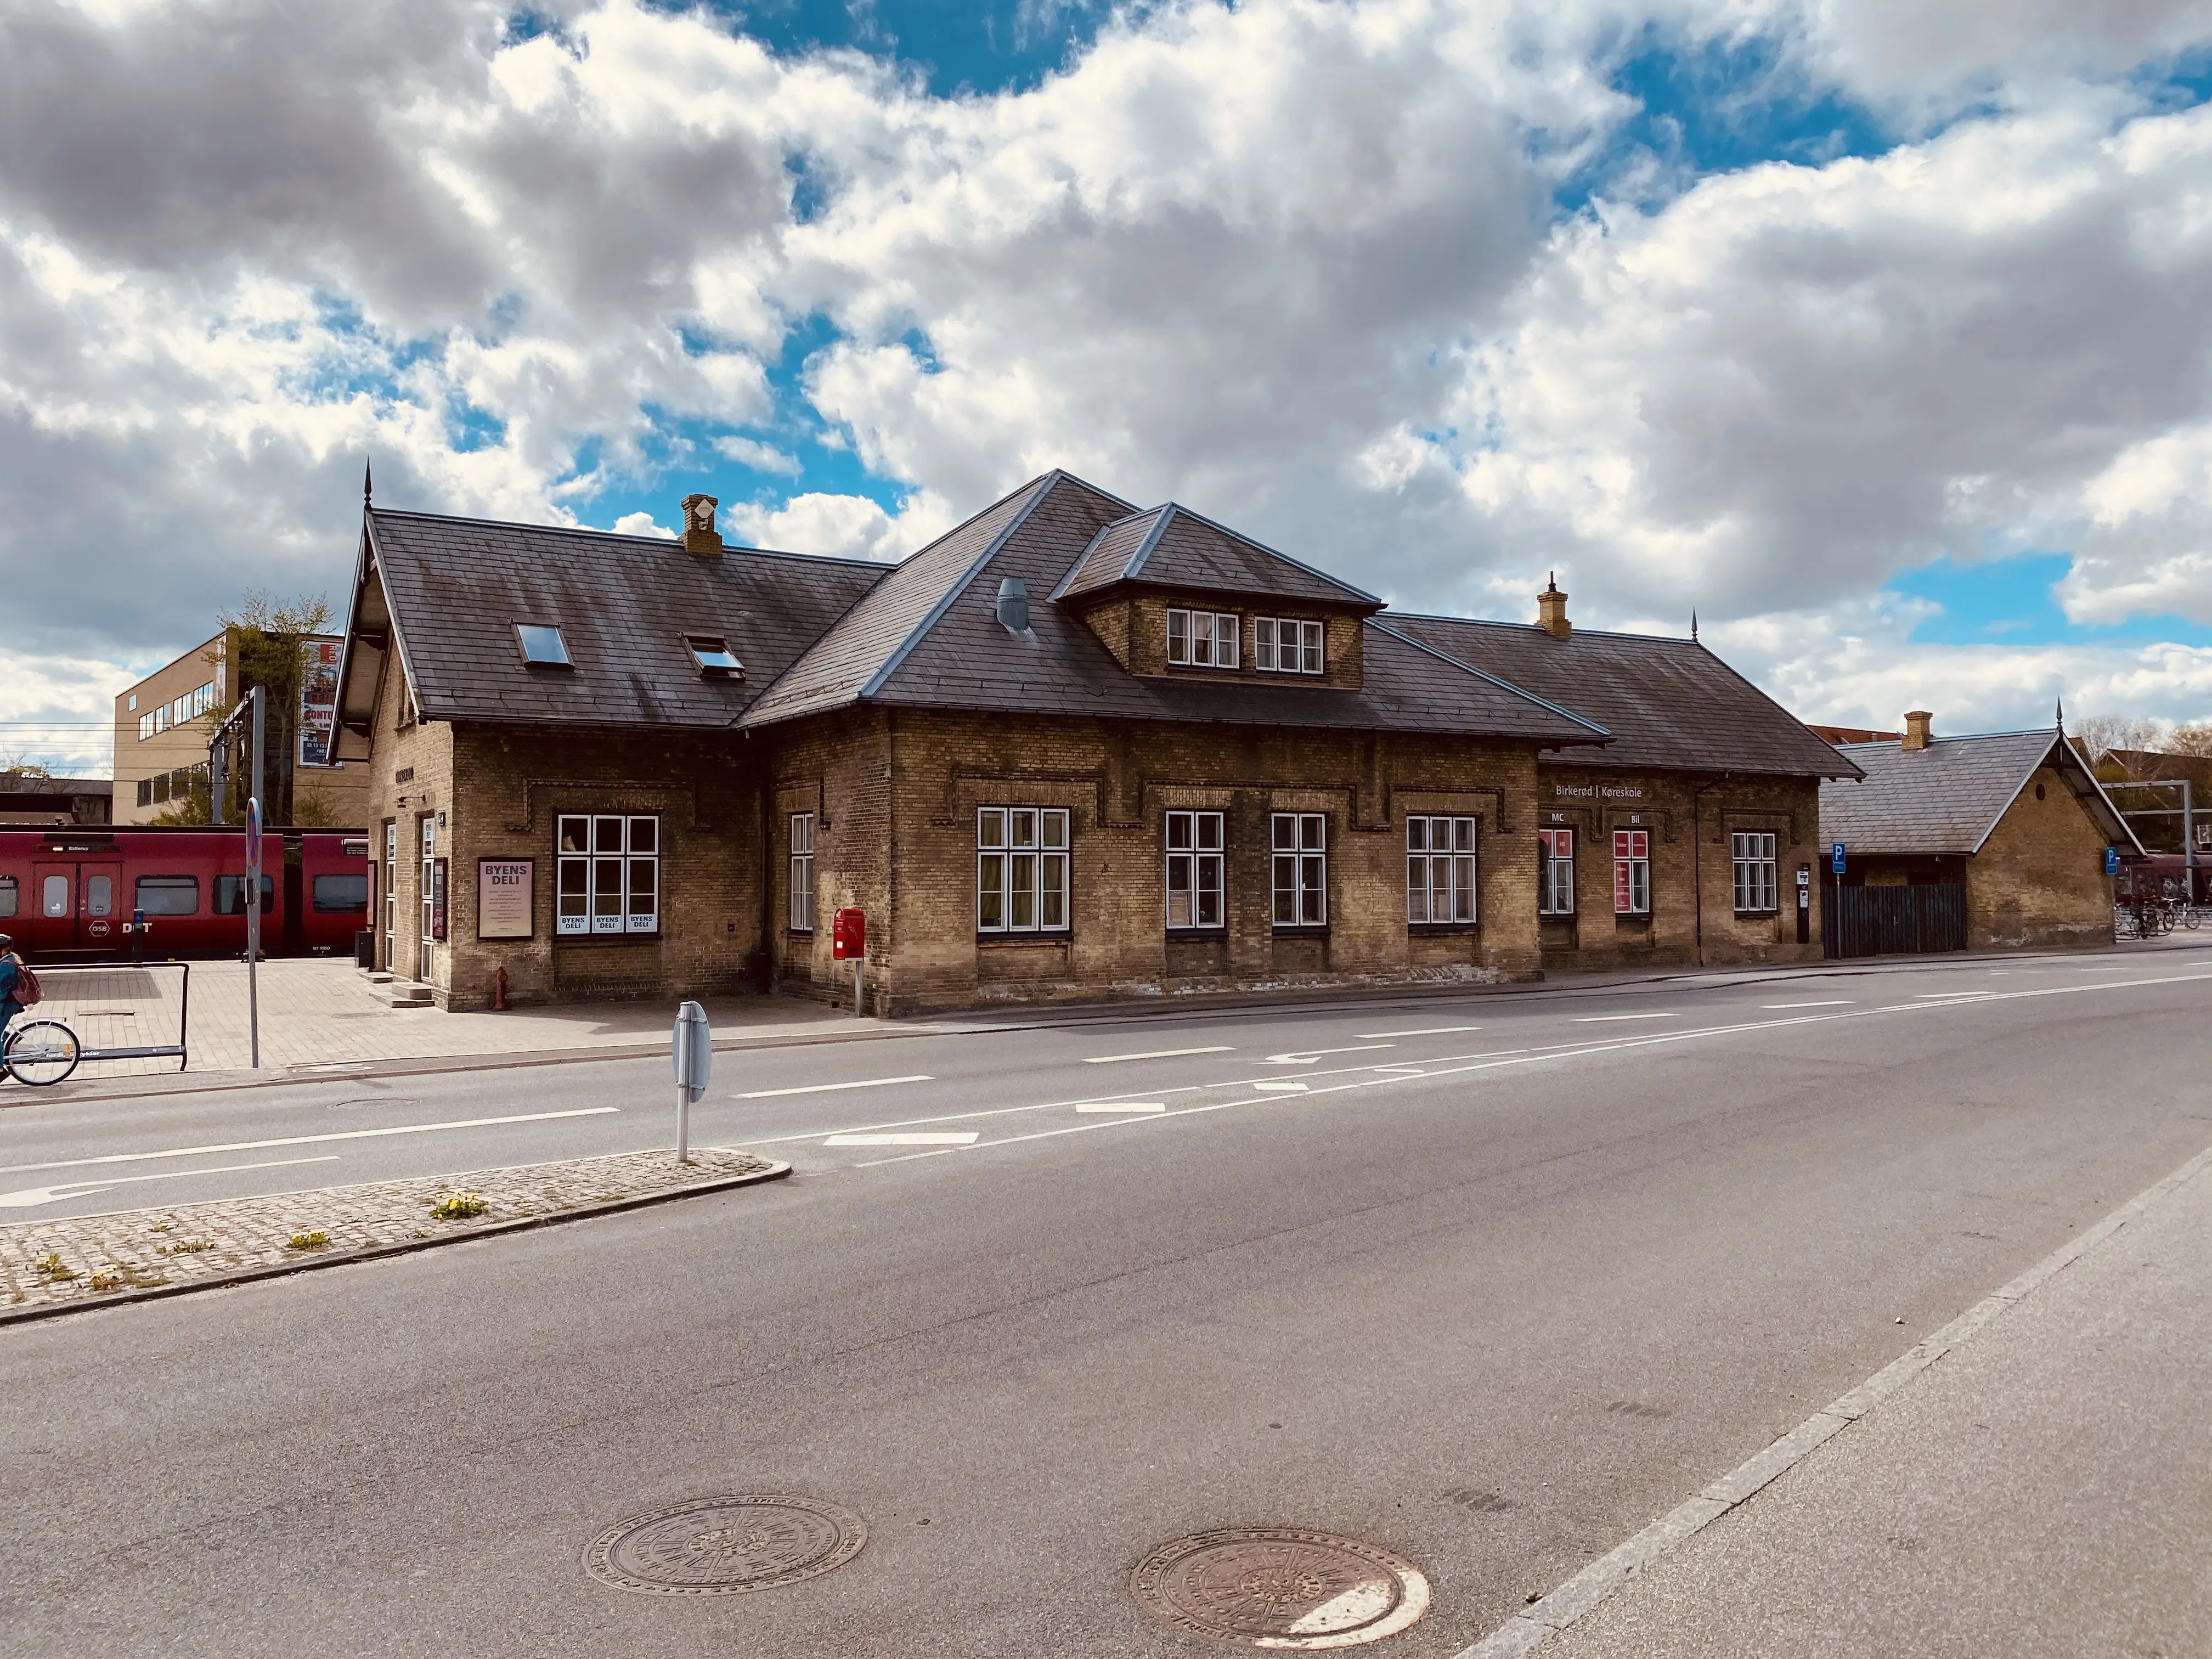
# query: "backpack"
[[27, 992]]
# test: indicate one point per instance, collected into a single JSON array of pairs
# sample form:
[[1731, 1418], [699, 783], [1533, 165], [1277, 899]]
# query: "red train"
[[66, 894]]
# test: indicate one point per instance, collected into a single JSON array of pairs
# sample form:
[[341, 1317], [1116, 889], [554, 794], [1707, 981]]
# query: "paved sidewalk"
[[2045, 1489], [52, 1266]]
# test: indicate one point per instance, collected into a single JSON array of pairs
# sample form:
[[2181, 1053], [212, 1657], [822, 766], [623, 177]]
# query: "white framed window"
[[1555, 872], [1202, 639], [1194, 870], [608, 876], [1282, 645], [1752, 853], [1298, 842], [1632, 873], [1021, 870], [1439, 870], [802, 872]]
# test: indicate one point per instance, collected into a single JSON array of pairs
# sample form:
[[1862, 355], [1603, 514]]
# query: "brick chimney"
[[1916, 729], [699, 532], [1551, 611]]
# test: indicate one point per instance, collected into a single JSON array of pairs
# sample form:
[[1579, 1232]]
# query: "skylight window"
[[543, 646], [716, 660]]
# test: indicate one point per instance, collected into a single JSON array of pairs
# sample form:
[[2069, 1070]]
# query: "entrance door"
[[52, 904], [99, 906], [430, 873]]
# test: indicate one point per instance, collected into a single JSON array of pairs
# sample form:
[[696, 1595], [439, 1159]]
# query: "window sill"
[[1555, 916], [1061, 937], [807, 933], [1220, 932], [1631, 918], [606, 939], [1756, 915], [1421, 929], [1301, 930]]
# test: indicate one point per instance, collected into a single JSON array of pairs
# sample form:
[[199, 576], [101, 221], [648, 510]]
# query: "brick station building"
[[1073, 748]]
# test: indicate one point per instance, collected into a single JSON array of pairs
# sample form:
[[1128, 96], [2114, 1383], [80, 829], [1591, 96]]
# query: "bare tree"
[[2099, 735]]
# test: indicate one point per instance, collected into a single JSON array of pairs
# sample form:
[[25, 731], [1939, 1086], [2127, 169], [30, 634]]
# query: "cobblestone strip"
[[46, 1266]]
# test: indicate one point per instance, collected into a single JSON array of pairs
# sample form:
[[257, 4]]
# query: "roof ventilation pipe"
[[1013, 605]]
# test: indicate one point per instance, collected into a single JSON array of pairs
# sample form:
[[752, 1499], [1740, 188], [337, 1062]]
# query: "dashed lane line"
[[30, 1197], [952, 1137], [1427, 1031], [1608, 1019], [1838, 1002], [830, 1088], [309, 1140], [1161, 1053], [1122, 1108]]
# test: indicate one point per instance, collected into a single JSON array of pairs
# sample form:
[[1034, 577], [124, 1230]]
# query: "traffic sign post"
[[692, 1048], [1836, 857], [253, 919]]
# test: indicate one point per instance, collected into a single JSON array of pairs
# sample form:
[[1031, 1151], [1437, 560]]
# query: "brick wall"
[[1691, 820], [2039, 880]]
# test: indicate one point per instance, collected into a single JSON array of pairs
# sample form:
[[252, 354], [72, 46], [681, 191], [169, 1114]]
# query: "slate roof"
[[929, 637], [1171, 546], [1947, 798], [1670, 704], [456, 588]]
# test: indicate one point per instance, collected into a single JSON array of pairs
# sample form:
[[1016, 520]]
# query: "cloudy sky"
[[1876, 332]]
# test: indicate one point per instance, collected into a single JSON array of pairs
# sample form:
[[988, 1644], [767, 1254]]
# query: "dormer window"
[[1202, 639], [716, 660], [1286, 646], [543, 646]]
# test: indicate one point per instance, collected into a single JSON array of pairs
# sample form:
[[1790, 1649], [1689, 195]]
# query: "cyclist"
[[10, 971]]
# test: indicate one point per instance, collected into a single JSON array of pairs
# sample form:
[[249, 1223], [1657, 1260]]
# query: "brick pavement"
[[43, 1264]]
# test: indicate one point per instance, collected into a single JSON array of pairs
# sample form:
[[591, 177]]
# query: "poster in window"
[[437, 898], [319, 700], [503, 898]]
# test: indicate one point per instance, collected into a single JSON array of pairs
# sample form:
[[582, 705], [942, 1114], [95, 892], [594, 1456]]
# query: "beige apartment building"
[[163, 723]]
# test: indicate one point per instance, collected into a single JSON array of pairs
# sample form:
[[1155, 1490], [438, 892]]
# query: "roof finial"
[[1554, 581], [2062, 712], [368, 486], [1693, 624]]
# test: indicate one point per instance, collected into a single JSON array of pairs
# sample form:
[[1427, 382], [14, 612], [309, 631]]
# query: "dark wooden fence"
[[1879, 921]]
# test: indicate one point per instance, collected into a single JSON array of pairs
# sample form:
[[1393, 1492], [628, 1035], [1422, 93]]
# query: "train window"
[[54, 896], [341, 893], [167, 896], [8, 891], [100, 896], [229, 900]]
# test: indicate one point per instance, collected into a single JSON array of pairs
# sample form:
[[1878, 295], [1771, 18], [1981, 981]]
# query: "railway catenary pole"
[[253, 889]]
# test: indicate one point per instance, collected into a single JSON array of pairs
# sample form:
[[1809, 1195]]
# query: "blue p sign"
[[1836, 857], [2111, 860]]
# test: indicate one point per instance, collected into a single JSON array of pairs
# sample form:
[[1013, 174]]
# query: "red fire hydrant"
[[498, 991]]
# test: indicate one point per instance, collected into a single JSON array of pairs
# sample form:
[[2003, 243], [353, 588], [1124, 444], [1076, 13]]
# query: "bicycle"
[[39, 1052]]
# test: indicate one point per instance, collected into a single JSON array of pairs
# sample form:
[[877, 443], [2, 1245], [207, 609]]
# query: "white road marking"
[[1122, 1106], [1281, 1087], [1931, 996], [1840, 1002], [949, 1138], [1162, 1053], [1427, 1031], [31, 1196], [827, 1088], [309, 1140], [1604, 1019], [1307, 1056]]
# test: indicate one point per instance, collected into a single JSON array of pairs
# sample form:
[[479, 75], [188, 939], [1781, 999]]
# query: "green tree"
[[264, 639]]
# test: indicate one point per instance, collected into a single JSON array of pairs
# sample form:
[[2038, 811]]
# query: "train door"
[[99, 906], [53, 902], [77, 905]]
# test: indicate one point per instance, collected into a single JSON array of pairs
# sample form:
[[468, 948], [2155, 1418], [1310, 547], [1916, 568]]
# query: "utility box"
[[849, 936]]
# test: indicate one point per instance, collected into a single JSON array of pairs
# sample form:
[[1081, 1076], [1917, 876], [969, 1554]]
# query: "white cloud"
[[642, 524], [1294, 262]]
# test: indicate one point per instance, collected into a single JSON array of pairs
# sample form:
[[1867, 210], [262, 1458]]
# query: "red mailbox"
[[848, 935]]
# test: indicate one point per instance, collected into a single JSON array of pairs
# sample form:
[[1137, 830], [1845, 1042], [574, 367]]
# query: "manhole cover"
[[1274, 1587], [724, 1546]]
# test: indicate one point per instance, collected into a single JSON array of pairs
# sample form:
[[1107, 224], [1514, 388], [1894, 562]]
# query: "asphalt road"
[[1493, 1311]]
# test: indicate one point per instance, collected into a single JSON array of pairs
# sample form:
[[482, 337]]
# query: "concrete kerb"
[[1534, 1624], [1062, 1016], [307, 1264]]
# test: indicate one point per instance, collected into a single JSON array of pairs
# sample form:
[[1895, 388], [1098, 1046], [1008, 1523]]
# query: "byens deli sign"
[[503, 890], [1598, 791]]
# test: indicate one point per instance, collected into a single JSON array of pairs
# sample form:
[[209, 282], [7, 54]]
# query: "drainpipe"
[[1697, 857], [767, 882]]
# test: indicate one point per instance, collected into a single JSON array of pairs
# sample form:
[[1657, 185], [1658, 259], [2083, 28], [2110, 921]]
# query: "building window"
[[543, 646], [1439, 870], [1757, 892], [1194, 870], [802, 872], [716, 660], [131, 707], [609, 875], [1202, 639], [145, 791], [166, 895], [1021, 870], [1632, 873], [1555, 872], [1281, 646], [1299, 842]]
